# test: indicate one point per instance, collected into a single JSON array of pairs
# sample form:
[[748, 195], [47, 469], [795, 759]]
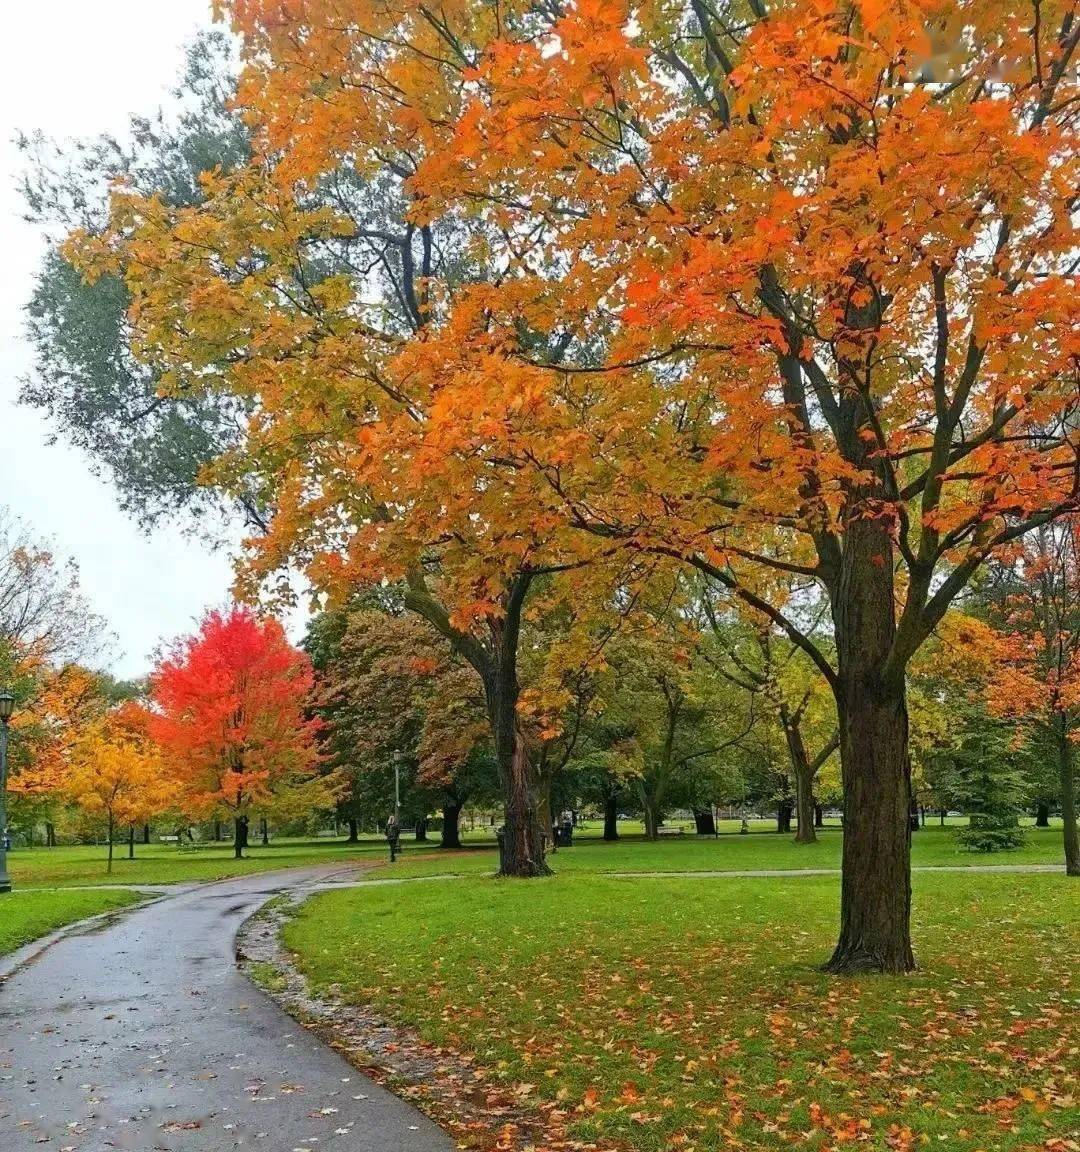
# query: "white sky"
[[76, 68]]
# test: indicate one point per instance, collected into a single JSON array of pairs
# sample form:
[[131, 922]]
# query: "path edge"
[[12, 963]]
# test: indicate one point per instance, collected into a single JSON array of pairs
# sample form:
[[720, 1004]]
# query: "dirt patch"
[[444, 1084]]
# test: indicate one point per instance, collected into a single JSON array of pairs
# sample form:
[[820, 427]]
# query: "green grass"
[[24, 916], [689, 1014], [163, 864], [931, 846]]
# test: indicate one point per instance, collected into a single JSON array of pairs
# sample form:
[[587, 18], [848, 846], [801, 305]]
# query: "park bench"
[[669, 831], [169, 839]]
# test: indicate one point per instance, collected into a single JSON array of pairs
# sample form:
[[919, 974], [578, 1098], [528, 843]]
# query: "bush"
[[991, 833]]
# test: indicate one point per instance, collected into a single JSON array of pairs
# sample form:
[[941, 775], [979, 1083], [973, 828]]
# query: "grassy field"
[[162, 864], [688, 1014], [931, 847], [26, 915]]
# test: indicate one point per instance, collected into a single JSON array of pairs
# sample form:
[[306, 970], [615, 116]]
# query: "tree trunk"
[[50, 835], [240, 836], [783, 816], [522, 843], [265, 832], [546, 808], [875, 892], [611, 817], [354, 831], [146, 833], [131, 842], [217, 831], [1068, 805], [421, 829], [704, 822], [819, 816], [804, 781], [1042, 815], [523, 829], [652, 819], [805, 808], [451, 826], [943, 814], [109, 868]]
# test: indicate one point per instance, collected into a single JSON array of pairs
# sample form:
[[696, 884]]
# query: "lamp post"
[[7, 706], [397, 787]]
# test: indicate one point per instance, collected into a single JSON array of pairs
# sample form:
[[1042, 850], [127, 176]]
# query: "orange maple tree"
[[65, 702], [230, 715], [775, 291]]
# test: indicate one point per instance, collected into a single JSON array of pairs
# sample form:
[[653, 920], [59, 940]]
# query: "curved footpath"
[[141, 1034]]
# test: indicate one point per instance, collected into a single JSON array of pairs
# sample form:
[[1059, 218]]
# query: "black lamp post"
[[7, 706]]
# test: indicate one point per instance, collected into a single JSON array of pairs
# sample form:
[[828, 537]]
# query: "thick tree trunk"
[[451, 826], [875, 894], [704, 822], [354, 831], [1068, 806], [421, 829], [146, 833], [217, 831], [1042, 815], [611, 818], [522, 843], [523, 829], [819, 816], [264, 831], [240, 836], [131, 842]]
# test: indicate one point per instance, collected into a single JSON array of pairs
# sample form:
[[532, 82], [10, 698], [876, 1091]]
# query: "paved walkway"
[[141, 1034]]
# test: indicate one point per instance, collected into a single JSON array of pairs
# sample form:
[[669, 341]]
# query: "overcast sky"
[[75, 68]]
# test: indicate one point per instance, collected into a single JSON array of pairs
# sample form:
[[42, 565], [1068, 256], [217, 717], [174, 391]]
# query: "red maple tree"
[[230, 716]]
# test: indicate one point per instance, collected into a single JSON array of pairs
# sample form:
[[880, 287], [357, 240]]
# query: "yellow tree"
[[117, 772]]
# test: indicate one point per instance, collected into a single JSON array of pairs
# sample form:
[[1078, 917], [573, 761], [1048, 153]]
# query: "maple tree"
[[771, 291], [388, 689], [230, 715], [117, 771]]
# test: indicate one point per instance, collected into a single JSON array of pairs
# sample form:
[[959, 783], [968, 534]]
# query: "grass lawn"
[[163, 864], [24, 916], [931, 846], [688, 1014]]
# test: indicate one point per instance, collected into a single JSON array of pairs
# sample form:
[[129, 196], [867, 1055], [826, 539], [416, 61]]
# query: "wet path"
[[143, 1035]]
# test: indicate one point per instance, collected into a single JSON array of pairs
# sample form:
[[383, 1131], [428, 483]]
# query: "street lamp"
[[397, 787], [7, 706]]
